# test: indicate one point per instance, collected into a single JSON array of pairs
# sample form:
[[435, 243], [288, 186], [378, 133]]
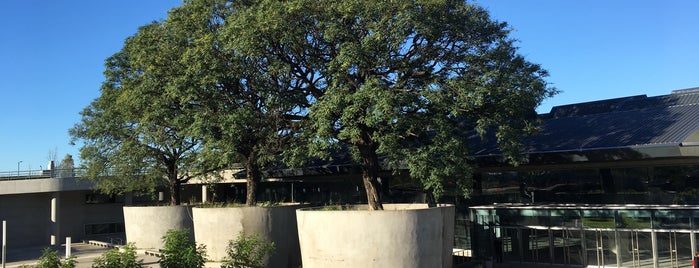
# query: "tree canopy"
[[247, 81], [405, 79], [135, 133]]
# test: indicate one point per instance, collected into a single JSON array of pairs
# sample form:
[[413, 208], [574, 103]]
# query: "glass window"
[[597, 218], [633, 219], [565, 218], [671, 219]]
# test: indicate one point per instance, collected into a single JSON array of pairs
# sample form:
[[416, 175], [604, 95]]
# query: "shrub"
[[247, 251], [124, 257], [50, 259], [179, 252]]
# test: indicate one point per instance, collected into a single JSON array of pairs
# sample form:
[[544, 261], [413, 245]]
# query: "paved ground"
[[85, 255]]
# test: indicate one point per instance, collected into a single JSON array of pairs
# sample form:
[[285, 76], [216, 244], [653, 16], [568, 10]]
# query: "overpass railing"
[[41, 174]]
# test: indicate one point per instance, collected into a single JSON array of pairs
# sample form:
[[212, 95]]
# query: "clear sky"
[[52, 55]]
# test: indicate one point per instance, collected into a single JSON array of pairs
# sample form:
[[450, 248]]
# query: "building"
[[43, 207], [611, 183]]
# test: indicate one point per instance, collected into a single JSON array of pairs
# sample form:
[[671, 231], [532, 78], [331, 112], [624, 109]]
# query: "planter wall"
[[146, 226], [214, 227], [402, 235]]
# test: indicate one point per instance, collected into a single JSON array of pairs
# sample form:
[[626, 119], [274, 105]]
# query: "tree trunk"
[[175, 184], [370, 171], [253, 173], [175, 192]]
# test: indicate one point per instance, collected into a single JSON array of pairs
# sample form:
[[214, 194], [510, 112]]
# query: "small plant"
[[124, 257], [247, 251], [269, 204], [331, 208], [50, 259], [179, 252]]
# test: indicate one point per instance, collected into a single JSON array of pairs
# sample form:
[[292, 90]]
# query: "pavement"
[[85, 254]]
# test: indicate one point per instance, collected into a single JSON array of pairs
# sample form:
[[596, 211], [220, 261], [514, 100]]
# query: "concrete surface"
[[85, 255], [401, 236], [146, 226], [46, 185], [215, 227]]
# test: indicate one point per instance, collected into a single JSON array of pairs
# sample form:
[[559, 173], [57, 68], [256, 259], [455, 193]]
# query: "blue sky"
[[52, 55]]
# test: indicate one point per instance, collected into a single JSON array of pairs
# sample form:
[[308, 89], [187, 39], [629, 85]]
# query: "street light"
[[18, 168]]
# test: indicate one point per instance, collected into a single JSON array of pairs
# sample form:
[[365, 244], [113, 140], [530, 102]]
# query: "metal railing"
[[40, 174]]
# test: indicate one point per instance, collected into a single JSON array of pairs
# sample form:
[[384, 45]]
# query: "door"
[[636, 249], [601, 248], [567, 244], [674, 249]]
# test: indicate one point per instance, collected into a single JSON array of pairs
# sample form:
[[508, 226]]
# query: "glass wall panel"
[[597, 218], [674, 249], [635, 249], [512, 245], [509, 217], [671, 219], [562, 186], [601, 248], [565, 218], [522, 217], [630, 180], [537, 246], [633, 219], [534, 217], [567, 247], [677, 184], [500, 182]]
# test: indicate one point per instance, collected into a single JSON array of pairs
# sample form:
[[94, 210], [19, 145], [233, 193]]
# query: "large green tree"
[[246, 111], [404, 79], [135, 134]]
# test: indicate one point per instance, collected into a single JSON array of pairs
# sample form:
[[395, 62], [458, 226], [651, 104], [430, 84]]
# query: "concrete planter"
[[402, 235], [146, 226], [214, 227]]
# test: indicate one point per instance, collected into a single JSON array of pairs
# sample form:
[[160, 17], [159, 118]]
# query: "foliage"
[[123, 257], [136, 132], [398, 84], [50, 259], [66, 168], [408, 80], [179, 252], [248, 251], [245, 113]]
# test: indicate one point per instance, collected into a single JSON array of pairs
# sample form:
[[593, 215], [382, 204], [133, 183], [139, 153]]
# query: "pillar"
[[55, 225], [204, 194], [4, 242]]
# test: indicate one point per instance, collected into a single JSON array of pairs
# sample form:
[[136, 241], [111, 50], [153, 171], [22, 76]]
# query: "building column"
[[55, 225], [204, 194]]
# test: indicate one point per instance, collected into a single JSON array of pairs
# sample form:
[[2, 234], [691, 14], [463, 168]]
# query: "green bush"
[[50, 259], [179, 252], [124, 257], [247, 251]]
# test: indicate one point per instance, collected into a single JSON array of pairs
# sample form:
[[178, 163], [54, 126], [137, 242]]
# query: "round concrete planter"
[[215, 227], [402, 235], [146, 226]]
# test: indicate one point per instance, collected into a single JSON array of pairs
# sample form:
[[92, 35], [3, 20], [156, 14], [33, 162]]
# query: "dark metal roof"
[[630, 122]]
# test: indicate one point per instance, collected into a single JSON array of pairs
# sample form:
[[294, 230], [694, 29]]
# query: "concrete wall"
[[408, 235], [215, 227], [29, 221], [146, 226], [47, 185]]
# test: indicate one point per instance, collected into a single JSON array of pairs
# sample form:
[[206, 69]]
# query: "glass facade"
[[660, 185], [597, 236]]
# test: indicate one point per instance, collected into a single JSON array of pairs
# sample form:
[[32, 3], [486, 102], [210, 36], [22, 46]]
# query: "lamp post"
[[18, 168]]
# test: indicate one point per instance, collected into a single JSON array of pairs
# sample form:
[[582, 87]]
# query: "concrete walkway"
[[85, 255]]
